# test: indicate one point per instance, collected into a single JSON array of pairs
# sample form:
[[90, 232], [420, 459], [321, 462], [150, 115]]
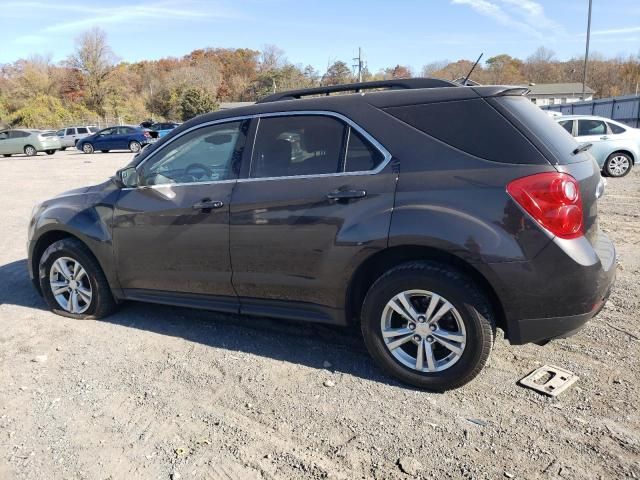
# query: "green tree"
[[195, 101], [337, 74]]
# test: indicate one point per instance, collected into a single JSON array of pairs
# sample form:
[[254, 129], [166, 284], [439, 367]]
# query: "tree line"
[[93, 86]]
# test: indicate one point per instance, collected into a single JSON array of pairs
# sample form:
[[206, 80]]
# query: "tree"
[[337, 73], [504, 69], [195, 102], [397, 72], [95, 60], [271, 57]]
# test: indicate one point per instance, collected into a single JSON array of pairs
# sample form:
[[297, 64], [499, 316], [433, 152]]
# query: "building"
[[545, 94]]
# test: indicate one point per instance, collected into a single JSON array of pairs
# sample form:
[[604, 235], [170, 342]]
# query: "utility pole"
[[586, 53], [359, 64]]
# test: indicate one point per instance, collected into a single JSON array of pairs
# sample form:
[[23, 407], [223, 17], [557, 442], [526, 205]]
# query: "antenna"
[[472, 69]]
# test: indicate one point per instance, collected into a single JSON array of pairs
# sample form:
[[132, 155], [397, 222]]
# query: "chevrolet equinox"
[[429, 213]]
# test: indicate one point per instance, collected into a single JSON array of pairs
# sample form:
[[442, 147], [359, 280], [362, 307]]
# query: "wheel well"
[[43, 243], [379, 263], [626, 152]]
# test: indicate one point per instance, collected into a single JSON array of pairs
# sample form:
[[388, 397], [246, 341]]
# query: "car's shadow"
[[295, 342]]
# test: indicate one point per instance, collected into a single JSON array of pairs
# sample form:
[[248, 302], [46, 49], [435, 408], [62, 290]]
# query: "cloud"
[[526, 16], [616, 31]]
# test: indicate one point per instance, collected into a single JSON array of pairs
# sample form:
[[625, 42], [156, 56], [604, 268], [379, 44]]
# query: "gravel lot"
[[158, 392]]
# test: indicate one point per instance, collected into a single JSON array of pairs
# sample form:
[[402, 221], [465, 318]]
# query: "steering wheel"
[[198, 166]]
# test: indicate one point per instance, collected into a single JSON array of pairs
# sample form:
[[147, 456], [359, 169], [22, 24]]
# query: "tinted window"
[[591, 127], [361, 155], [71, 131], [567, 125], [203, 155], [472, 126], [82, 130], [616, 129], [4, 135], [18, 134], [125, 130], [108, 131], [297, 145], [93, 129]]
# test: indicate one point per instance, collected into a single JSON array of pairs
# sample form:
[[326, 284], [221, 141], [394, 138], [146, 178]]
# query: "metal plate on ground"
[[549, 380]]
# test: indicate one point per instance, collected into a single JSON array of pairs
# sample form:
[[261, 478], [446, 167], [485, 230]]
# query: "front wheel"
[[428, 325], [104, 151], [134, 146], [62, 149], [87, 148], [72, 282], [6, 155], [30, 151], [50, 152], [618, 164]]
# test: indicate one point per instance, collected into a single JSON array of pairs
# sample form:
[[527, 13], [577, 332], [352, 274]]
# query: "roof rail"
[[404, 84]]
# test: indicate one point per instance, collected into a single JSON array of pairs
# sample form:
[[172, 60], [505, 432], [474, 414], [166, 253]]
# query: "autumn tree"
[[95, 60]]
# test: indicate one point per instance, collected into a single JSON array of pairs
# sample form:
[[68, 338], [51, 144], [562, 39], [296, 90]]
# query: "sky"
[[406, 32]]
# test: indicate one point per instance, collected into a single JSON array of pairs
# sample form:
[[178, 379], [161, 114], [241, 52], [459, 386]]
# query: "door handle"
[[346, 194], [605, 137], [207, 204]]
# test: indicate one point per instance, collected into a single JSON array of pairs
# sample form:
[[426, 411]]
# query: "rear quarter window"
[[474, 127]]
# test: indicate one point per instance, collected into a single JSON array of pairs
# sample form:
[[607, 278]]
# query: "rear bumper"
[[554, 295]]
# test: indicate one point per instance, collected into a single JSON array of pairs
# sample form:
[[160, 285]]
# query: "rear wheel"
[[6, 155], [62, 149], [72, 282], [30, 151], [618, 164], [134, 146], [50, 152], [87, 148], [428, 325]]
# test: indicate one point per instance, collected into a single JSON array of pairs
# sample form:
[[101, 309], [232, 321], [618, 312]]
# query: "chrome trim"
[[348, 121]]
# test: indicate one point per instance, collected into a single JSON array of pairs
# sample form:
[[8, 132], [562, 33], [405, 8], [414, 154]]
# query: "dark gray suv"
[[426, 212]]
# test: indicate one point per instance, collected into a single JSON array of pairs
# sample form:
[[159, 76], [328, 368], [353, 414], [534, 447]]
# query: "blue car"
[[163, 128], [116, 138]]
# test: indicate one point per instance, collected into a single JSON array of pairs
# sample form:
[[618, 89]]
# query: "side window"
[[591, 127], [297, 145], [4, 135], [616, 129], [71, 131], [82, 130], [361, 155], [567, 125], [18, 134], [203, 155], [60, 133]]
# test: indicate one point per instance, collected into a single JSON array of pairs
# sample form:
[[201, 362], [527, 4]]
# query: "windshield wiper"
[[583, 147]]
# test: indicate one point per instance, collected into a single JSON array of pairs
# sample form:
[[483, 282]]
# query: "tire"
[[6, 155], [50, 152], [87, 148], [69, 250], [471, 313], [62, 149], [30, 151], [618, 165], [104, 151], [135, 146]]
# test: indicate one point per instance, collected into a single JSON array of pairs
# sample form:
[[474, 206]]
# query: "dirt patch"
[[159, 392]]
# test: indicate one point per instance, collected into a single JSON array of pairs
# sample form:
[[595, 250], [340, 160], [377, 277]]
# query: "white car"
[[615, 146], [69, 136]]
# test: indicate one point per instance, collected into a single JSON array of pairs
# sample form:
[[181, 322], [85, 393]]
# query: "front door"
[[171, 234], [104, 140], [316, 201]]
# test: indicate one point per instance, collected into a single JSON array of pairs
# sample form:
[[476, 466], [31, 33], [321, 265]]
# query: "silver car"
[[615, 146], [69, 136], [27, 141]]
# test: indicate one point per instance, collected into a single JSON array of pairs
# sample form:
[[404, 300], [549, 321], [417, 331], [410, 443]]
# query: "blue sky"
[[409, 32]]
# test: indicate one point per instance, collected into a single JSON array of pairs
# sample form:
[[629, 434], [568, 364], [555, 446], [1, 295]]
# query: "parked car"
[[388, 212], [116, 138], [163, 128], [71, 135], [615, 146], [28, 141]]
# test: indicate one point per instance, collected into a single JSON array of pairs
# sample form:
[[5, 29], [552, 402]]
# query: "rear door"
[[315, 200]]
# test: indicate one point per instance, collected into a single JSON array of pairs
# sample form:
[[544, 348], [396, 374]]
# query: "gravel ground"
[[158, 392]]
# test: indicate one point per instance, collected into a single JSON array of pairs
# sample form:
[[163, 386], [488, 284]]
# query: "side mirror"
[[128, 177]]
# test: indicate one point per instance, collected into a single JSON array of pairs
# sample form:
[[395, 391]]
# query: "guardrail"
[[625, 109]]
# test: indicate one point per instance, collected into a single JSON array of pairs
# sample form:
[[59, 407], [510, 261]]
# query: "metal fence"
[[624, 109]]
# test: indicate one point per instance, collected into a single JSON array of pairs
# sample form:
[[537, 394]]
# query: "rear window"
[[472, 126], [539, 127], [82, 130], [48, 134]]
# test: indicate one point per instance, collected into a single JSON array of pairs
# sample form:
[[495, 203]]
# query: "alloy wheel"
[[70, 285], [423, 331], [618, 165]]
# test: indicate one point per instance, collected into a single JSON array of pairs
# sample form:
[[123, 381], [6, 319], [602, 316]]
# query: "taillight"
[[553, 200]]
